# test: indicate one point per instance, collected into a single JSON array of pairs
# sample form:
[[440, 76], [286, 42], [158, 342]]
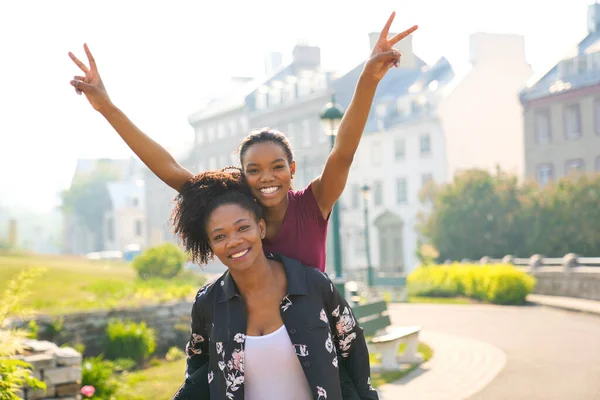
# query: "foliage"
[[102, 375], [164, 261], [174, 354], [480, 214], [498, 284], [88, 199], [15, 373], [127, 339]]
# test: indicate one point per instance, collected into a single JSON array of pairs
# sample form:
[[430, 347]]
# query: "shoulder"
[[303, 194], [320, 279], [207, 294]]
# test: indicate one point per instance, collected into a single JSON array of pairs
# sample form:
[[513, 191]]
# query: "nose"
[[233, 242], [266, 177]]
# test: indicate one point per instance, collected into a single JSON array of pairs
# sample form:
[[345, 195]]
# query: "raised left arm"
[[328, 187]]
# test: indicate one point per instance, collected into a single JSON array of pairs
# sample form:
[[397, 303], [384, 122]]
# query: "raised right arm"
[[156, 158]]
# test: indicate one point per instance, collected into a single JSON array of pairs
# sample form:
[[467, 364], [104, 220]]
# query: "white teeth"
[[269, 190], [240, 254]]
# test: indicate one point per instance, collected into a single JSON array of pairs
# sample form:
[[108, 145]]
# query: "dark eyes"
[[255, 170], [241, 229]]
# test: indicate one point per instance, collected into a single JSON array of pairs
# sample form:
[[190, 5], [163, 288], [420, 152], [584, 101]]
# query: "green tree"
[[88, 199], [473, 216]]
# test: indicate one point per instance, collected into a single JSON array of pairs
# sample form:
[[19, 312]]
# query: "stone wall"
[[170, 321], [568, 276], [59, 368]]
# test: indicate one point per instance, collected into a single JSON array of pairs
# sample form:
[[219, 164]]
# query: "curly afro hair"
[[200, 196]]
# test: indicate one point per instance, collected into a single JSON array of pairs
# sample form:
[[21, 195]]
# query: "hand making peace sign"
[[384, 56], [91, 84]]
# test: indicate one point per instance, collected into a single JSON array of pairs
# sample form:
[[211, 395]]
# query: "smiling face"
[[235, 236], [268, 172]]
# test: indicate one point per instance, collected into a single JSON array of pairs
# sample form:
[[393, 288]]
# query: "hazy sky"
[[159, 59]]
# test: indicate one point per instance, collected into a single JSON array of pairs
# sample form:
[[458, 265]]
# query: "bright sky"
[[159, 59]]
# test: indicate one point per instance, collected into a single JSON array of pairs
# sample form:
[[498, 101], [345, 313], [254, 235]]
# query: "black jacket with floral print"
[[318, 320]]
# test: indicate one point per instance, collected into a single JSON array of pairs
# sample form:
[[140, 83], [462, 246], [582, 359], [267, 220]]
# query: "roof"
[[122, 192], [397, 83], [230, 99], [555, 80]]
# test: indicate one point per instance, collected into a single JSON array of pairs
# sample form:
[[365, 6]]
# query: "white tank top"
[[272, 369]]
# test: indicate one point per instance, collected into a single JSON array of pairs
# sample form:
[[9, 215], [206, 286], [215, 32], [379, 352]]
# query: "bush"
[[15, 373], [498, 284], [164, 261], [100, 374], [130, 340], [174, 354]]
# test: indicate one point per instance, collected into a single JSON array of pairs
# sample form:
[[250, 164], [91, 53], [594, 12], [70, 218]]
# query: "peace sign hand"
[[91, 84], [384, 56]]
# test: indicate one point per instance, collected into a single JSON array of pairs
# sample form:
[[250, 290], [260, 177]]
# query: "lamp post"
[[331, 116], [366, 190]]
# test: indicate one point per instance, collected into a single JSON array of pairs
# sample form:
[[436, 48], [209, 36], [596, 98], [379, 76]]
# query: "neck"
[[276, 213], [261, 274]]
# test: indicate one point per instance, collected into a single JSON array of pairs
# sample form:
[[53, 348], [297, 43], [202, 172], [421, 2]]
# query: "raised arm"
[[328, 187], [156, 158]]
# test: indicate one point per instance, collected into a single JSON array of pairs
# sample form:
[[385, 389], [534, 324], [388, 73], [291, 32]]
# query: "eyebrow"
[[272, 162], [235, 223]]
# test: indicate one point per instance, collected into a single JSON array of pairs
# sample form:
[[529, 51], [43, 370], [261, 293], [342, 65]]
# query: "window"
[[355, 196], [574, 166], [359, 243], [306, 133], [597, 116], [138, 228], [376, 153], [426, 178], [232, 127], [598, 164], [211, 134], [261, 100], [425, 144], [545, 173], [399, 149], [135, 202], [221, 130], [212, 163], [378, 193], [572, 121], [199, 136], [542, 127], [244, 124], [401, 190]]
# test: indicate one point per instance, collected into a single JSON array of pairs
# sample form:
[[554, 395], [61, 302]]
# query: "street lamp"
[[366, 191], [331, 117]]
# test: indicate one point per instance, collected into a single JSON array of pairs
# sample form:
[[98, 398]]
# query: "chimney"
[[405, 47], [593, 17], [308, 56], [496, 48], [273, 61]]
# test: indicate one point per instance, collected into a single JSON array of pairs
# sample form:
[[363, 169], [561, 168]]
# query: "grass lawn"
[[73, 284], [162, 381]]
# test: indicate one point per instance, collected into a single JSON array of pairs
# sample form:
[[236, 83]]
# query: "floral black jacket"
[[318, 320]]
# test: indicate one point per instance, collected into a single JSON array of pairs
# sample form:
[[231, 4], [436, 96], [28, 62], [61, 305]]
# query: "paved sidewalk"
[[566, 303], [459, 368]]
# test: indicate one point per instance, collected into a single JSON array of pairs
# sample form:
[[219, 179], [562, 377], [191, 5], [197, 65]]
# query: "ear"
[[262, 228], [293, 168]]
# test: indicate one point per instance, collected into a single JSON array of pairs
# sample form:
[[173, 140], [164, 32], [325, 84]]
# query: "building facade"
[[562, 112]]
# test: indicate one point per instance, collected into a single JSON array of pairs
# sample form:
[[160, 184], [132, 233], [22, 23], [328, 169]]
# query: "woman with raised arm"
[[269, 327], [296, 221]]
